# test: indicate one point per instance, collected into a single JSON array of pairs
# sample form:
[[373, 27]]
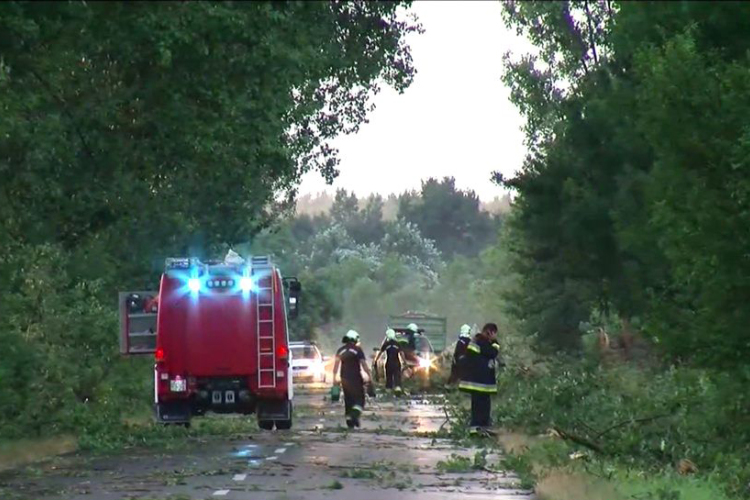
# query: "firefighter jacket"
[[392, 349], [478, 366]]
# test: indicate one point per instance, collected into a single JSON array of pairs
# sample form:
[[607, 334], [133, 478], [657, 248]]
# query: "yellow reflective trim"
[[473, 348], [496, 346], [477, 387]]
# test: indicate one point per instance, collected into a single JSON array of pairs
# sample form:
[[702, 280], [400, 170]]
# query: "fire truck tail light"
[[282, 351], [159, 355]]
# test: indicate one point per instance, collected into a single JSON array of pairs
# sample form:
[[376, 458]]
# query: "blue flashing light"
[[246, 284], [194, 284]]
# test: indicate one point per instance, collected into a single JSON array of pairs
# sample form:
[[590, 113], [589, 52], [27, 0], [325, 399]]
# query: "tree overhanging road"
[[394, 455]]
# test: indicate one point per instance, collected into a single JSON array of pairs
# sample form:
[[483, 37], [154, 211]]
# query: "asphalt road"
[[392, 456]]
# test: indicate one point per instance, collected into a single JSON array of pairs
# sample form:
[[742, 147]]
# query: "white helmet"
[[413, 327], [352, 335], [390, 334], [465, 331]]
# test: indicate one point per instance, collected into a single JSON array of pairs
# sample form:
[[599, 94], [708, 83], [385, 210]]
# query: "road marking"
[[322, 420], [279, 451], [239, 477], [220, 493], [288, 444], [272, 458]]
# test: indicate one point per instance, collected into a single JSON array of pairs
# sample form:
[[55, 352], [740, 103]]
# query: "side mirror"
[[295, 288]]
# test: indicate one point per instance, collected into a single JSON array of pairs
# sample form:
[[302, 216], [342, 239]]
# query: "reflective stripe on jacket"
[[477, 387]]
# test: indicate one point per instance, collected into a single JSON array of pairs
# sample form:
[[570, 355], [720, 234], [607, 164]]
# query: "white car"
[[307, 362]]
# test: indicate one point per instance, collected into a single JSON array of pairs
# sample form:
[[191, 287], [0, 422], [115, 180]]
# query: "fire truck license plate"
[[178, 385]]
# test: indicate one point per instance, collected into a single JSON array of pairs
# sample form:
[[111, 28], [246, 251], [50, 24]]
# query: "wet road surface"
[[394, 455]]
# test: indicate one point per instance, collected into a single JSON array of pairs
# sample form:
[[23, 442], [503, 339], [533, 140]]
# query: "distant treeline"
[[321, 202]]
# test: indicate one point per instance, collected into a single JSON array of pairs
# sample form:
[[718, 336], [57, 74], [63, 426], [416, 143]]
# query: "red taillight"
[[159, 355], [282, 351]]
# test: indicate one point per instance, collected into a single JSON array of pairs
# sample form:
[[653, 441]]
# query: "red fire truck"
[[219, 335]]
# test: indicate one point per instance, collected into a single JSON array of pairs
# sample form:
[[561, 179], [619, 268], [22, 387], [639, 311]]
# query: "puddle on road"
[[244, 453]]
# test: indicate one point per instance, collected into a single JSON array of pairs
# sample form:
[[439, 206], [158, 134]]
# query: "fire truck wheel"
[[284, 425], [266, 425]]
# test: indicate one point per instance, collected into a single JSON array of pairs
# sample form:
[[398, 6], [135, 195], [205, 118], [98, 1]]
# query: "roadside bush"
[[60, 371], [643, 418]]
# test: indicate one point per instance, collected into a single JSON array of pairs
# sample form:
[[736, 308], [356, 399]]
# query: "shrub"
[[646, 418]]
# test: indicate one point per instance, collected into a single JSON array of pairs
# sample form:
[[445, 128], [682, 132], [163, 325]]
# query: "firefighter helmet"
[[465, 331], [352, 335], [390, 334], [413, 327]]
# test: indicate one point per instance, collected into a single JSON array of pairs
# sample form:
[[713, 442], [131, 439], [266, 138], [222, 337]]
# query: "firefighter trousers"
[[354, 399], [392, 375], [481, 404]]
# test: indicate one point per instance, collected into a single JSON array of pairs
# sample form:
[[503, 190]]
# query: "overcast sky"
[[454, 120]]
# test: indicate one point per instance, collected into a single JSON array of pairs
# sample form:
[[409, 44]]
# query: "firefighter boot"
[[481, 432], [356, 414]]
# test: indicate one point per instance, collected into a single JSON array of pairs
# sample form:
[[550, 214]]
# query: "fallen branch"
[[632, 421], [440, 429], [588, 427], [578, 440]]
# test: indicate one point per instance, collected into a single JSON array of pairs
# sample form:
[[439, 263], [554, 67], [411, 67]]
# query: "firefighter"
[[478, 376], [412, 330], [464, 338], [392, 349], [352, 361]]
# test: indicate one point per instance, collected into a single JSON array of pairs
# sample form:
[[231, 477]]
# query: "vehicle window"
[[422, 344], [305, 352]]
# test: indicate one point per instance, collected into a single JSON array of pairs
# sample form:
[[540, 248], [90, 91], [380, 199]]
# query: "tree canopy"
[[452, 217], [131, 132], [633, 196]]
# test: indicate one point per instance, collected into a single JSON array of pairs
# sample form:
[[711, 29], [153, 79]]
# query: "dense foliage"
[[631, 206], [634, 195], [450, 217], [131, 132]]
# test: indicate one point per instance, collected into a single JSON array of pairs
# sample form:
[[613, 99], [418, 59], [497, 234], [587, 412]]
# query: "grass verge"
[[557, 471], [26, 451]]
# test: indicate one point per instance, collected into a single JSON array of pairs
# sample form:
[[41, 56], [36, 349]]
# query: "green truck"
[[435, 327]]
